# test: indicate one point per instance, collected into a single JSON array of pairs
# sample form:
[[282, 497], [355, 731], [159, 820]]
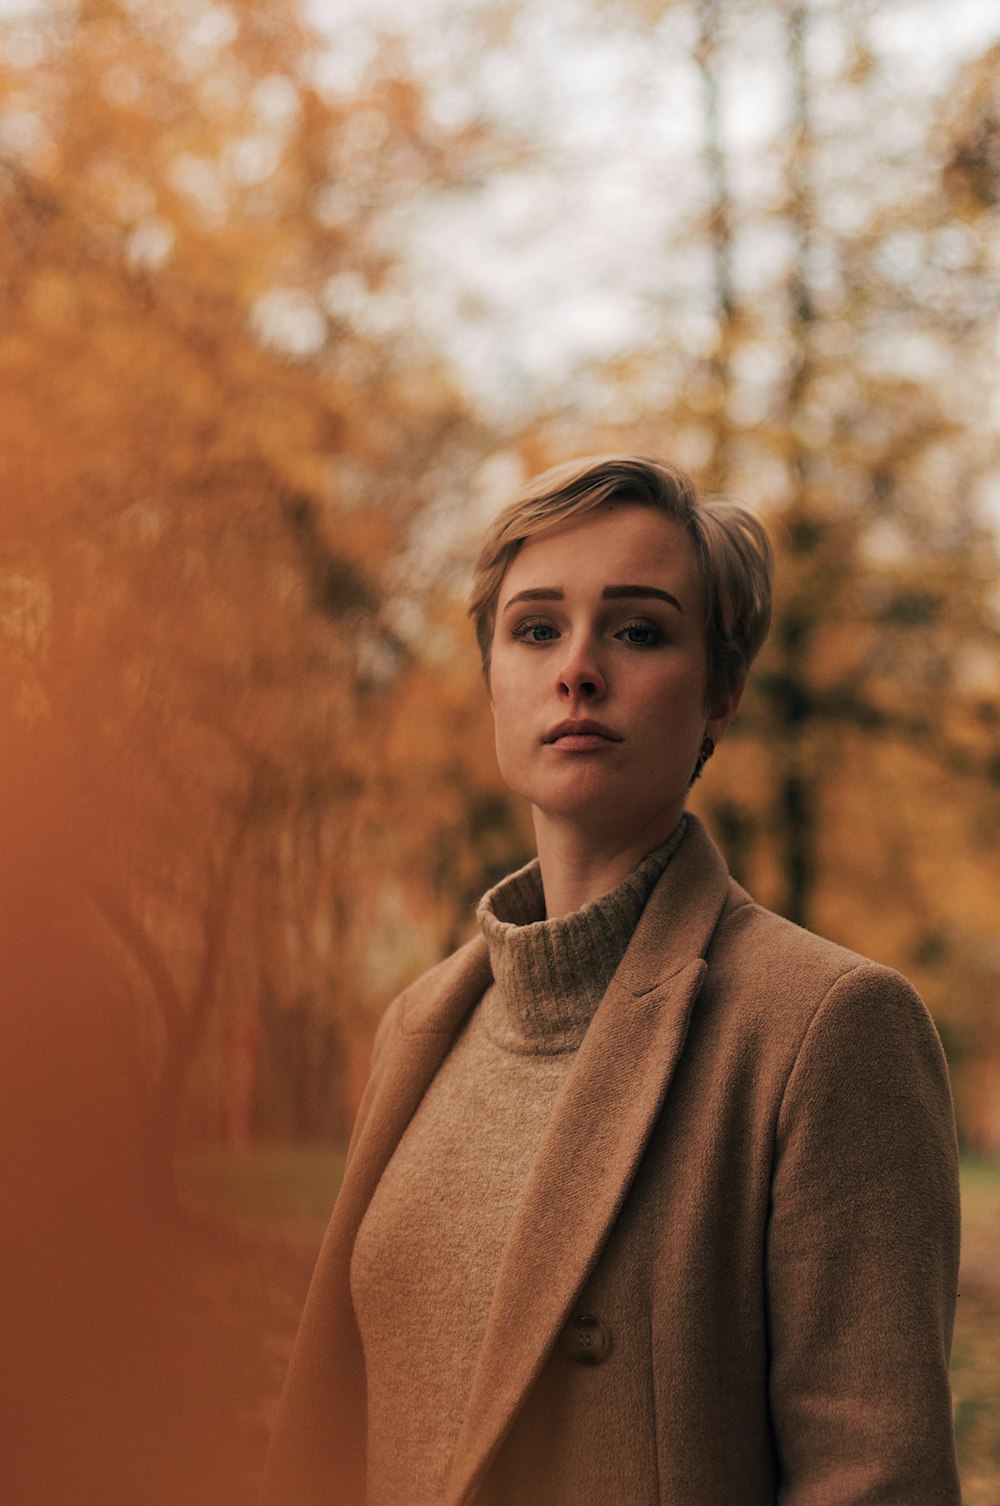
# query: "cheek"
[[508, 689], [512, 754], [503, 705], [677, 691], [515, 722], [675, 715]]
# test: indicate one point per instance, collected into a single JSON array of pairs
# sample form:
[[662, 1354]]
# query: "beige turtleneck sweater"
[[430, 1244]]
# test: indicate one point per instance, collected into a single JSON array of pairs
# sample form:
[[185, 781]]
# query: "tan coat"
[[750, 1181]]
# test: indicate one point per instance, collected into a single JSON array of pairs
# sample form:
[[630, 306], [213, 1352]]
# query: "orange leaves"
[[199, 503]]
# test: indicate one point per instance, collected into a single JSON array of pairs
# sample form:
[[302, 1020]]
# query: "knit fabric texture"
[[428, 1250]]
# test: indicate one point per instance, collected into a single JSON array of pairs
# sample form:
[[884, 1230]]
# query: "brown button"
[[586, 1340]]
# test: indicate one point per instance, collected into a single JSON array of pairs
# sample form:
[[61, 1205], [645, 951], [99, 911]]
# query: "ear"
[[724, 710]]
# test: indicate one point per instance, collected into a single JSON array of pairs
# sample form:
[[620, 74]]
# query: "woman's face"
[[601, 621]]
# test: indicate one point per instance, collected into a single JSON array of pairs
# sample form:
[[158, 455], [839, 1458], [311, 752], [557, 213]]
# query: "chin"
[[584, 808]]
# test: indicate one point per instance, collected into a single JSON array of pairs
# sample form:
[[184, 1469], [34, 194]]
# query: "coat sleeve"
[[862, 1255]]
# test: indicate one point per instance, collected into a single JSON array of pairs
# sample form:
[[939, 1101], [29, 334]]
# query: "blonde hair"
[[733, 551]]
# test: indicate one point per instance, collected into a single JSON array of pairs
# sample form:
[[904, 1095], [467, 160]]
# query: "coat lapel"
[[593, 1146], [430, 1016]]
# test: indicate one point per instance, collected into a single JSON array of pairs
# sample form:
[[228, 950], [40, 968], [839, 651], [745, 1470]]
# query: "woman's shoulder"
[[746, 925], [758, 953], [801, 1015], [781, 971]]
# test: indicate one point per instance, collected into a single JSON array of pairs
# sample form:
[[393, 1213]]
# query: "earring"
[[707, 749]]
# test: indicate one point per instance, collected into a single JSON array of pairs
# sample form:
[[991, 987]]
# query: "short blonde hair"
[[733, 551]]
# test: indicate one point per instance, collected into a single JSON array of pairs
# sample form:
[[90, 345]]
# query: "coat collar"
[[592, 1146]]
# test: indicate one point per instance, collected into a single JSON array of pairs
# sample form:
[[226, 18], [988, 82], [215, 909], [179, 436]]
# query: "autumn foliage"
[[253, 759]]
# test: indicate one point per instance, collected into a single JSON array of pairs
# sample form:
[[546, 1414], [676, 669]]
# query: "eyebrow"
[[610, 593]]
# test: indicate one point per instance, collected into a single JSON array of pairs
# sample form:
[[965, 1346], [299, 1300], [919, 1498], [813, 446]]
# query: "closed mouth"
[[581, 729]]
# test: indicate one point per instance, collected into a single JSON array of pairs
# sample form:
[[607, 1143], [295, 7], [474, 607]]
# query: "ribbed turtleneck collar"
[[550, 975]]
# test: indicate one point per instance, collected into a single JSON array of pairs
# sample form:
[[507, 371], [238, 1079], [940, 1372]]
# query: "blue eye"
[[535, 632], [640, 634]]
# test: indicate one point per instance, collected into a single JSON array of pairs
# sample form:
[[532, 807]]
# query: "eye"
[[534, 630], [640, 634]]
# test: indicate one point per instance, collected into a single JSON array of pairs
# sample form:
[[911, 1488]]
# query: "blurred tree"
[[217, 434], [228, 451], [885, 590]]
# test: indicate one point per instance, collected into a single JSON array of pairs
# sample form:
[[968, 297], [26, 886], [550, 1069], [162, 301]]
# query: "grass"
[[975, 1357], [267, 1185], [981, 1180]]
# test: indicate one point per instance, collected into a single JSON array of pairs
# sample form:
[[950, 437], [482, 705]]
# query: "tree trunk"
[[720, 232], [184, 1024], [794, 630]]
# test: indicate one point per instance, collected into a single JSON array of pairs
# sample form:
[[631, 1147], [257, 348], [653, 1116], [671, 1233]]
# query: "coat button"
[[586, 1340]]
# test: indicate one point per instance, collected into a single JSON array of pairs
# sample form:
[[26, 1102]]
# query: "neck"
[[578, 866]]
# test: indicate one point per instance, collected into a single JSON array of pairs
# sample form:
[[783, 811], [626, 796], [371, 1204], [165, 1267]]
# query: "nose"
[[580, 674]]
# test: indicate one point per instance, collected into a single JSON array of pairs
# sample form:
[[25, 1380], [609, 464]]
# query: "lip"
[[581, 733]]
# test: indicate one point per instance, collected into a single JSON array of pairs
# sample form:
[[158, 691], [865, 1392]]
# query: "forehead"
[[614, 544]]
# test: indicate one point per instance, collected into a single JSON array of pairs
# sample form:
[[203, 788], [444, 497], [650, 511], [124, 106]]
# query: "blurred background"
[[292, 297]]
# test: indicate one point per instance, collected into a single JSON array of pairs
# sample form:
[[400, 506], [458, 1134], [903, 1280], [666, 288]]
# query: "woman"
[[652, 1196]]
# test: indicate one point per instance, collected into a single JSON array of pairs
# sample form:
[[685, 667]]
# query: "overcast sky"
[[538, 273]]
